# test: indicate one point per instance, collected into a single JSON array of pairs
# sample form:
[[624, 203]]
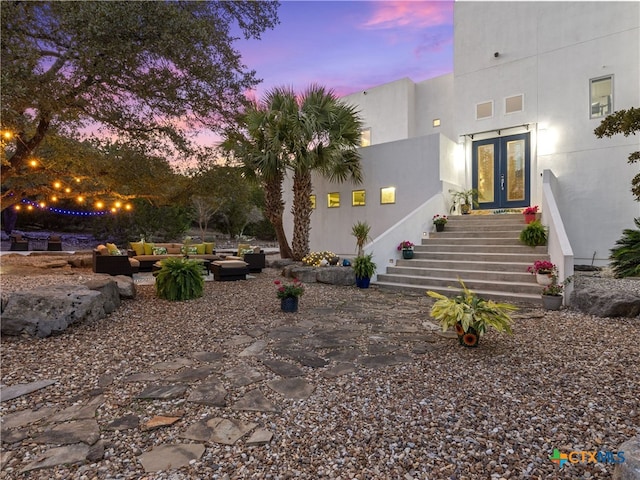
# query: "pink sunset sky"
[[352, 45]]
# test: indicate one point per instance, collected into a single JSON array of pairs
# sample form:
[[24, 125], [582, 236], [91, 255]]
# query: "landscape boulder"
[[52, 309], [606, 303], [630, 468]]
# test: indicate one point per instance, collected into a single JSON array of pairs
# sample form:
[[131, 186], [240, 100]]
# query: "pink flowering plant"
[[543, 267], [289, 290], [439, 219], [405, 245], [530, 210]]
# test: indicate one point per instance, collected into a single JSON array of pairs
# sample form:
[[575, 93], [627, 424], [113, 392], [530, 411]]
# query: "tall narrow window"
[[333, 200], [365, 137], [312, 199], [601, 96]]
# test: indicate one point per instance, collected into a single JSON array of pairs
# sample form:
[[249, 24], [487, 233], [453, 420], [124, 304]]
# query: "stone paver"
[[331, 342]]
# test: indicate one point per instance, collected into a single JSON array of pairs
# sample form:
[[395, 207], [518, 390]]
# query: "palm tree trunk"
[[301, 210], [274, 209]]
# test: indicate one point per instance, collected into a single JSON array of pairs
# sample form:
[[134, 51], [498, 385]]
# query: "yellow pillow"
[[241, 248], [148, 248], [200, 248], [137, 247], [102, 249], [113, 249], [209, 248]]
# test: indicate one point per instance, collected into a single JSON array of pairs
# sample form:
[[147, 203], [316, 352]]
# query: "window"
[[484, 110], [312, 199], [365, 137], [514, 104], [387, 195], [357, 198], [601, 96], [436, 122], [333, 200]]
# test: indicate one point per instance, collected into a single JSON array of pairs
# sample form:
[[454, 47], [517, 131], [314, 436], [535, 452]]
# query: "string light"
[[30, 205]]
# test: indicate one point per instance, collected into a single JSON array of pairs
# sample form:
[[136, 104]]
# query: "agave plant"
[[179, 279], [625, 256], [470, 315]]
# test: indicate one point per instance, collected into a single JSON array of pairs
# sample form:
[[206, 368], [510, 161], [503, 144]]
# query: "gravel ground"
[[564, 380]]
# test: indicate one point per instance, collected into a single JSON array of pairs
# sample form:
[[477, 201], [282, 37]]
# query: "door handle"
[[502, 182]]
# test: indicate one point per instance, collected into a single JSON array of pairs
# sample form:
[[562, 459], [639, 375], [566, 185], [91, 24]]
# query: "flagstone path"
[[289, 357]]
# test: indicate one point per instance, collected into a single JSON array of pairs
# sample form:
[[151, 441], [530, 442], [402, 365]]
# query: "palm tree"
[[327, 134], [258, 144]]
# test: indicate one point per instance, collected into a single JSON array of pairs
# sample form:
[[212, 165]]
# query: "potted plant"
[[407, 249], [364, 268], [439, 221], [470, 315], [543, 270], [534, 234], [289, 294], [361, 231], [552, 293], [179, 279], [465, 199], [530, 214]]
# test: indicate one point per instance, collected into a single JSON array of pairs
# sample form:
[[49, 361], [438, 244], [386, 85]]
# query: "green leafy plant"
[[289, 290], [440, 219], [534, 234], [625, 256], [361, 231], [470, 315], [179, 279], [464, 197], [363, 266], [556, 289]]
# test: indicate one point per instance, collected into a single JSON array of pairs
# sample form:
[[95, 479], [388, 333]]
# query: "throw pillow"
[[159, 250], [113, 249], [200, 248], [192, 250], [209, 247], [148, 248], [243, 246], [102, 249], [137, 247]]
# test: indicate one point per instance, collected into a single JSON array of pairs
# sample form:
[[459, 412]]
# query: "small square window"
[[387, 195], [601, 96], [365, 137], [514, 104], [357, 198], [333, 200], [484, 110], [312, 199], [436, 122]]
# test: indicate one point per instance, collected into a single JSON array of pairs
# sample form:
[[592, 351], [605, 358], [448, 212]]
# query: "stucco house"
[[514, 120]]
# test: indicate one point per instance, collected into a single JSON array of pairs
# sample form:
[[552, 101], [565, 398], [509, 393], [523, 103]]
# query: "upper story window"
[[601, 96], [514, 104], [333, 199], [365, 137], [484, 110]]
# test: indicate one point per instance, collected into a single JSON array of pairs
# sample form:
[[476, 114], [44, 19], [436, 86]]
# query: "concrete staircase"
[[482, 250]]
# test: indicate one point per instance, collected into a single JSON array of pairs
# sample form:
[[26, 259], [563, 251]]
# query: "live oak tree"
[[146, 73]]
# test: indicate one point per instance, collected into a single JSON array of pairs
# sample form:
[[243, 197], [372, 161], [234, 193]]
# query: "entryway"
[[501, 171]]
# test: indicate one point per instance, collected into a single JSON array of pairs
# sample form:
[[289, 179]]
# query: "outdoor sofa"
[[148, 253]]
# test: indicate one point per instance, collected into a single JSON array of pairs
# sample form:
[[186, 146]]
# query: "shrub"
[[179, 279], [625, 256], [534, 234]]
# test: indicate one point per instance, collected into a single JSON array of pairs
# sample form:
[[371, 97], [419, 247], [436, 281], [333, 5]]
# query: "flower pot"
[[289, 304], [439, 227], [363, 282], [407, 254], [529, 217], [465, 208], [552, 302], [544, 279]]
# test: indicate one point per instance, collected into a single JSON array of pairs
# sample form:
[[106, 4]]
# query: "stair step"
[[482, 250]]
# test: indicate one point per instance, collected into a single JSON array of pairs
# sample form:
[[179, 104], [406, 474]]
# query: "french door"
[[501, 171]]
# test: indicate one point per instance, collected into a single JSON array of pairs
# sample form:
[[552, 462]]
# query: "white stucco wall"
[[412, 166]]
